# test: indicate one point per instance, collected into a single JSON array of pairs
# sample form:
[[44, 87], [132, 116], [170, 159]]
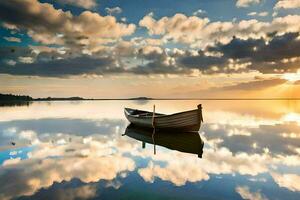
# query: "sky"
[[166, 48]]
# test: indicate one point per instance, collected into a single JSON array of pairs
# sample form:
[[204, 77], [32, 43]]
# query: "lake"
[[79, 150]]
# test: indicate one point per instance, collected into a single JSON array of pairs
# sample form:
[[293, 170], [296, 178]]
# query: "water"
[[75, 150]]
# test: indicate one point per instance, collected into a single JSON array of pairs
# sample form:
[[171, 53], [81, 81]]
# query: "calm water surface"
[[75, 150]]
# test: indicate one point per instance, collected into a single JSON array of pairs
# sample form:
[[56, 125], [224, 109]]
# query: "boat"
[[186, 142], [183, 121]]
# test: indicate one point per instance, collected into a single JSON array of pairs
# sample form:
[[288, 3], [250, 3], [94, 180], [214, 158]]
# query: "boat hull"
[[184, 121]]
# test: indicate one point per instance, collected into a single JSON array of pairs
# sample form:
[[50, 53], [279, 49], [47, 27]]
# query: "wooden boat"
[[183, 121], [187, 142]]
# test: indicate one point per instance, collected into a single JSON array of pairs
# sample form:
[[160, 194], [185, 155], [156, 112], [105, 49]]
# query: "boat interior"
[[141, 113]]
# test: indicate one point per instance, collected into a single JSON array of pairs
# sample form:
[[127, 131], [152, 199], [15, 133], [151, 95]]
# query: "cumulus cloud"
[[48, 25], [289, 181], [87, 4], [246, 3], [200, 32], [287, 4]]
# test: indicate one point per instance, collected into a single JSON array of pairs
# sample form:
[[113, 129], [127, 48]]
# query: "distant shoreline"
[[161, 99], [10, 98]]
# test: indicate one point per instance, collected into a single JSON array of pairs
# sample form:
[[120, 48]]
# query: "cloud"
[[112, 11], [91, 44], [87, 4], [278, 54], [178, 28], [65, 67], [48, 25], [260, 14], [199, 12], [275, 54], [246, 3], [200, 32], [265, 56], [157, 62], [245, 193], [287, 4], [289, 181], [12, 39]]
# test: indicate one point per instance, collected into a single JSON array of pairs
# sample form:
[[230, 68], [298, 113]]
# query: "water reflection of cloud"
[[66, 193], [256, 140], [177, 173], [29, 132], [70, 146], [90, 156], [41, 171]]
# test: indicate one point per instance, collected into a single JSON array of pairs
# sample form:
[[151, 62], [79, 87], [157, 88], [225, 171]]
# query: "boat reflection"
[[187, 142]]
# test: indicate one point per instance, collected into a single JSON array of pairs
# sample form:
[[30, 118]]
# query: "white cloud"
[[287, 4], [87, 4], [124, 19], [289, 181], [246, 3], [200, 32], [199, 12], [49, 25], [260, 14]]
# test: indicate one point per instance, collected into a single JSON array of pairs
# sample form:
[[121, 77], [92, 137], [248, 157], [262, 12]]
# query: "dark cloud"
[[269, 55], [13, 52], [200, 61], [64, 67], [265, 56], [157, 67]]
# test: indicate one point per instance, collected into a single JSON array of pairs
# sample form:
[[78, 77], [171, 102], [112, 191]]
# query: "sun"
[[292, 77]]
